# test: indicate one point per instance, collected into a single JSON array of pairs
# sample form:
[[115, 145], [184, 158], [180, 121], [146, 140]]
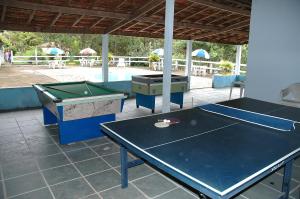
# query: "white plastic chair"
[[121, 62], [54, 64], [291, 93], [91, 63], [241, 84], [83, 62]]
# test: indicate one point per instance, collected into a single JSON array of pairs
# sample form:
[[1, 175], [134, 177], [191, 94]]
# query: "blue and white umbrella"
[[54, 51], [200, 53], [159, 52]]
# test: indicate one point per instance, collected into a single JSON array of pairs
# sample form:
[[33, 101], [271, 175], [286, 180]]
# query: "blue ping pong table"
[[219, 156]]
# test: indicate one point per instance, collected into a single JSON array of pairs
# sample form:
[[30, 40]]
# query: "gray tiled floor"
[[34, 166]]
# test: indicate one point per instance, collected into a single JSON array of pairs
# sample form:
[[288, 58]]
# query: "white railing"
[[198, 67]]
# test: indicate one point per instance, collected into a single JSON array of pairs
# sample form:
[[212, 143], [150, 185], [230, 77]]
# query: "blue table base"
[[148, 101], [77, 130]]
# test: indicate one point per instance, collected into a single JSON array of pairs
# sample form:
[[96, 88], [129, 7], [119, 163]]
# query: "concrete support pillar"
[[105, 40], [188, 67], [168, 45], [238, 59]]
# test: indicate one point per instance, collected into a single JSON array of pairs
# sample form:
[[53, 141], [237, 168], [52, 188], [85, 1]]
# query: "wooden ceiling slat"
[[31, 17], [183, 9], [209, 16], [78, 20], [121, 4], [222, 7], [97, 22], [3, 13], [146, 8], [61, 9], [146, 28], [219, 19], [227, 29], [207, 20], [195, 14], [55, 19]]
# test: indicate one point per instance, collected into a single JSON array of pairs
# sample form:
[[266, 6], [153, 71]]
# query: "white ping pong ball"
[[85, 92]]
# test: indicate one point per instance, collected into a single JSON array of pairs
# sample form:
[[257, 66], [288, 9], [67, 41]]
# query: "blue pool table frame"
[[79, 129]]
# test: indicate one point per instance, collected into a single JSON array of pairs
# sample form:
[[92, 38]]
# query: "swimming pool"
[[119, 75]]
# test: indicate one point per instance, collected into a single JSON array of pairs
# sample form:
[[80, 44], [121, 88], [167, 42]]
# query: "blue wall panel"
[[26, 97], [221, 81], [18, 98]]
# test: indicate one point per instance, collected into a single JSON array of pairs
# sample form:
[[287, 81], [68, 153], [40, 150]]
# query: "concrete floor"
[[34, 166]]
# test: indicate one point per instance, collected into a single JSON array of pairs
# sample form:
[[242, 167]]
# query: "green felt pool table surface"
[[70, 90]]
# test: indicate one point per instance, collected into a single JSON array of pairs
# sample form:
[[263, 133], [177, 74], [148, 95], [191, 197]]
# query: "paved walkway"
[[34, 165], [16, 76]]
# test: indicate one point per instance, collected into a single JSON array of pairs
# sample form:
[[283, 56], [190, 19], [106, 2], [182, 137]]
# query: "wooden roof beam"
[[232, 19], [208, 16], [239, 3], [158, 10], [49, 29], [182, 10], [158, 30], [146, 28], [3, 13], [93, 3], [222, 7], [185, 32], [132, 25], [97, 22], [219, 19], [195, 14], [55, 19], [121, 4], [61, 9], [238, 25], [78, 20], [178, 24], [151, 4], [31, 17]]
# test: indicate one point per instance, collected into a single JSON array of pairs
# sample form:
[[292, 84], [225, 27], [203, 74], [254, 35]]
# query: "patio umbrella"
[[87, 51], [200, 53], [159, 52], [54, 51]]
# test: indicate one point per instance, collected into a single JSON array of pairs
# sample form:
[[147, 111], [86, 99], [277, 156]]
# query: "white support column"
[[188, 67], [238, 59], [168, 45], [36, 54], [11, 57], [105, 57]]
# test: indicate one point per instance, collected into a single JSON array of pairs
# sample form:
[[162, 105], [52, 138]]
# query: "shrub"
[[110, 57], [137, 64], [154, 58], [226, 67]]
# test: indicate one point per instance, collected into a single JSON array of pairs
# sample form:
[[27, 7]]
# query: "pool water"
[[118, 75]]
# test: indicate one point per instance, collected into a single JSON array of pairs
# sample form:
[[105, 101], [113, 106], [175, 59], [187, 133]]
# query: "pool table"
[[78, 108]]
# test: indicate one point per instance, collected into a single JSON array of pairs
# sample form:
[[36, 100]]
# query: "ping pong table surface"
[[218, 156]]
